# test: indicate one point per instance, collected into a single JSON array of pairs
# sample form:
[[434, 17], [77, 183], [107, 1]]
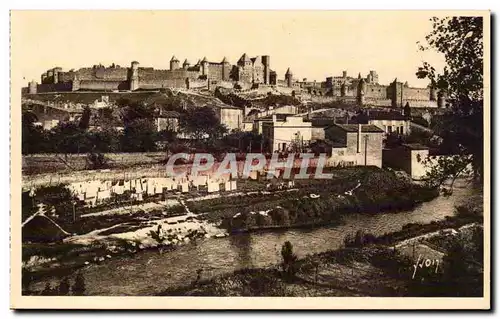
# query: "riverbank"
[[367, 266], [148, 272], [314, 203], [117, 233]]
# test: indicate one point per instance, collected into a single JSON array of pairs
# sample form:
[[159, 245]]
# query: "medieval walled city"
[[225, 177]]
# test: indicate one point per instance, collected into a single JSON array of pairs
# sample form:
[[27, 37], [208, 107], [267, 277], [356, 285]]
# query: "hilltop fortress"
[[247, 74], [204, 73]]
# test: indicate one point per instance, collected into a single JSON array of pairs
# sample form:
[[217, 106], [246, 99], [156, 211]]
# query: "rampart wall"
[[95, 85]]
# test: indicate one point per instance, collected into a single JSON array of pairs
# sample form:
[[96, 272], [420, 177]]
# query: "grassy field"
[[59, 163]]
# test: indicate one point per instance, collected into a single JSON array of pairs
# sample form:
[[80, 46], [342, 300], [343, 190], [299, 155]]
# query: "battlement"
[[248, 72], [114, 77]]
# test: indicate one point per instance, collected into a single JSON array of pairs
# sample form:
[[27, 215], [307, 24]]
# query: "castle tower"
[[134, 76], [397, 93], [75, 85], [185, 65], [373, 77], [244, 61], [289, 78], [266, 61], [226, 69], [361, 92], [32, 87], [329, 82], [344, 74], [174, 63], [273, 78], [50, 76], [43, 77], [56, 72], [204, 66], [343, 89]]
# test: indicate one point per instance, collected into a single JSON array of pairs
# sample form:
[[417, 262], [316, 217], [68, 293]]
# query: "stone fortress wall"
[[116, 78], [248, 73], [368, 91]]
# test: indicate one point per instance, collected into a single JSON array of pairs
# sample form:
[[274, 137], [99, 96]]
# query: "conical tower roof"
[[174, 59], [186, 62], [288, 72], [204, 59], [245, 58], [224, 60]]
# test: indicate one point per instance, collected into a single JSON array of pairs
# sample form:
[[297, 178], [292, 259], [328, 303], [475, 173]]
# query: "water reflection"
[[242, 244]]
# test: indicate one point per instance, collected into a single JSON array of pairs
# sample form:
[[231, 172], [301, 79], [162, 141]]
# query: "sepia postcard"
[[264, 159]]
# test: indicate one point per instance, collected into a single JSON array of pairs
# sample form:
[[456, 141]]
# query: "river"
[[148, 272]]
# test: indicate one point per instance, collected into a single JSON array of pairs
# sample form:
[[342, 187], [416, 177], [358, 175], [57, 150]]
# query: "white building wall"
[[231, 117], [293, 130]]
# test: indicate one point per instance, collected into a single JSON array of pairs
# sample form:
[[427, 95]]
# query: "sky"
[[314, 44]]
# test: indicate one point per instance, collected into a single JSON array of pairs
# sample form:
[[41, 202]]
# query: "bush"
[[96, 161], [359, 239], [79, 285]]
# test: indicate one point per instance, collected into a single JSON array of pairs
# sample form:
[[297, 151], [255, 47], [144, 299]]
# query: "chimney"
[[274, 118], [359, 138]]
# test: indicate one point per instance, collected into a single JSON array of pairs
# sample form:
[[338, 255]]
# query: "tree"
[[85, 119], [289, 259], [108, 117], [132, 111], [106, 140], [460, 39], [139, 136], [407, 110], [34, 138], [64, 287], [201, 123], [70, 138]]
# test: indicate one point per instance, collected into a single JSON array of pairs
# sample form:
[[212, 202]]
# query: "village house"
[[360, 144], [247, 125], [167, 121], [286, 133], [231, 117], [389, 122], [259, 122], [410, 158], [318, 126]]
